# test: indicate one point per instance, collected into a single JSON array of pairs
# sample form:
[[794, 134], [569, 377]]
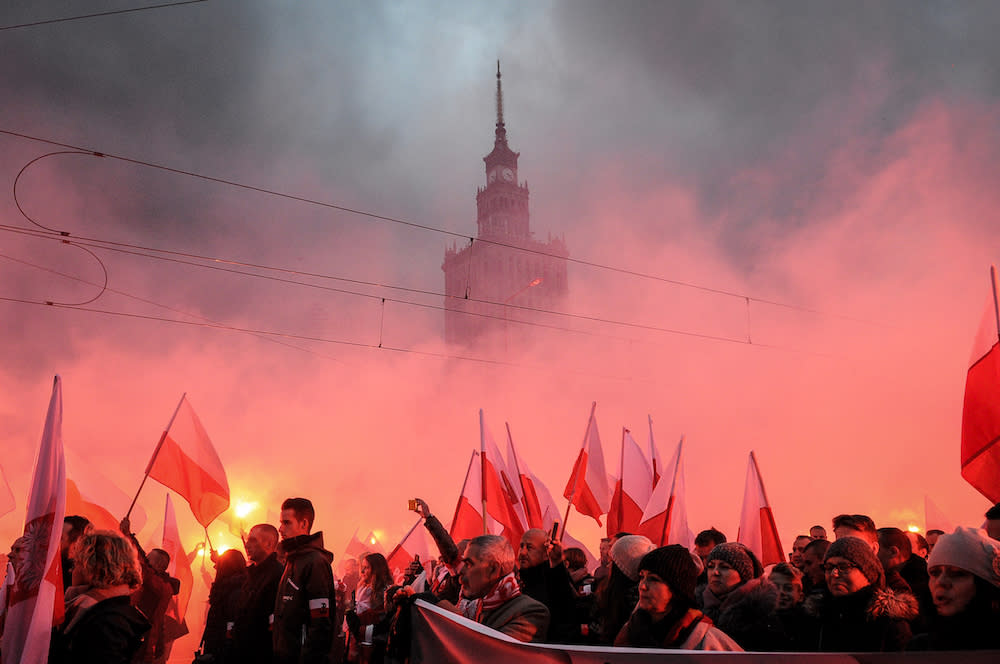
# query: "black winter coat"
[[109, 632]]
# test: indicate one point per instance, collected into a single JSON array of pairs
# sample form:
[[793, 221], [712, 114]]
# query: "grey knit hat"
[[739, 557], [970, 549], [859, 552], [628, 551], [675, 566]]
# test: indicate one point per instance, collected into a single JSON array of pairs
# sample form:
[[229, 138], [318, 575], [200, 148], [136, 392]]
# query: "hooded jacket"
[[302, 632], [109, 631], [872, 619]]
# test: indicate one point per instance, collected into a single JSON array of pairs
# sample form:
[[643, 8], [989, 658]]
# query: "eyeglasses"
[[842, 568]]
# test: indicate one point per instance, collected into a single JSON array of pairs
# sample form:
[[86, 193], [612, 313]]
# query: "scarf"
[[505, 590]]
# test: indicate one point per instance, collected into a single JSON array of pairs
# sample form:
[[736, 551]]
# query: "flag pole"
[[208, 539], [670, 500], [621, 478], [462, 492], [482, 467], [652, 451], [156, 451], [576, 476], [996, 304]]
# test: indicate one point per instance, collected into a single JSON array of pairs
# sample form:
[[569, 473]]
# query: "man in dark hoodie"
[[303, 624], [251, 639]]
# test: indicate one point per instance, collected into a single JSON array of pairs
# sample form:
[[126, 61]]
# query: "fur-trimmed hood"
[[877, 603]]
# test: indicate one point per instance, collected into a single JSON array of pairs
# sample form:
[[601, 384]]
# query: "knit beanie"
[[859, 552], [675, 566], [739, 557], [628, 551], [970, 549]]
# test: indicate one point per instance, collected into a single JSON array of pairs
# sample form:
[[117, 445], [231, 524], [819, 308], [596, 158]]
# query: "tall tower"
[[489, 283]]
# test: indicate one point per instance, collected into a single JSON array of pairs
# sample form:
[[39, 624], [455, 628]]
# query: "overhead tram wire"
[[433, 229], [371, 296], [100, 14], [118, 247], [138, 299]]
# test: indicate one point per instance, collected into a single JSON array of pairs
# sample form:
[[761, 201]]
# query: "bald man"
[[545, 578], [251, 637]]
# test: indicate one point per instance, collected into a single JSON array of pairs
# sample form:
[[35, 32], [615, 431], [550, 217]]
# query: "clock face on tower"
[[508, 175]]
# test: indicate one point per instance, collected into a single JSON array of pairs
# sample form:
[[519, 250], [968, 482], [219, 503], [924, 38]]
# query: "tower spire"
[[501, 129]]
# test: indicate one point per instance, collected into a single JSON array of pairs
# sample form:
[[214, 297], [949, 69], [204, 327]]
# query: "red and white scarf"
[[506, 589]]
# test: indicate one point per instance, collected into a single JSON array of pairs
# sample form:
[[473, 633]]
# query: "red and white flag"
[[934, 518], [36, 598], [527, 491], [186, 461], [757, 530], [468, 520], [632, 489], [664, 521], [587, 488], [655, 460], [180, 568], [498, 492], [355, 548], [7, 503], [414, 543], [981, 410], [92, 494]]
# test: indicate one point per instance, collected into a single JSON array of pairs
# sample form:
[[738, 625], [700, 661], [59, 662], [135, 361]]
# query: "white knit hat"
[[627, 553], [970, 549]]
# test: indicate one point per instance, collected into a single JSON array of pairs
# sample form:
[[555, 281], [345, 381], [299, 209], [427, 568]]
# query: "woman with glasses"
[[861, 614], [964, 569]]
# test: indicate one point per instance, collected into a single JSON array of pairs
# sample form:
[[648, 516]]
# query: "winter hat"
[[859, 552], [674, 565], [970, 549], [628, 551], [739, 557]]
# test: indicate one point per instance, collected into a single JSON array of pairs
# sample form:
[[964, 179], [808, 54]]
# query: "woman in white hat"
[[964, 569]]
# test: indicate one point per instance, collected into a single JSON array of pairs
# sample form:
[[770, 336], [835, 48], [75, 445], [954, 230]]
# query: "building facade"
[[504, 279]]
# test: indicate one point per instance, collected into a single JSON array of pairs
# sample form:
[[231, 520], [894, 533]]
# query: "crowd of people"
[[867, 590]]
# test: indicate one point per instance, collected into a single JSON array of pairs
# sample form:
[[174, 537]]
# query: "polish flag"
[[537, 497], [7, 503], [185, 461], [91, 494], [414, 543], [498, 493], [468, 520], [981, 410], [934, 518], [654, 455], [179, 567], [525, 487], [587, 488], [35, 601], [632, 490], [355, 548], [372, 543], [757, 530], [664, 521]]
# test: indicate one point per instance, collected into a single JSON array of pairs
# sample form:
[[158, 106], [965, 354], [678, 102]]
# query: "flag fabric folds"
[[498, 491], [632, 489], [7, 503], [757, 529], [90, 492], [355, 547], [534, 496], [664, 521], [654, 454], [981, 411], [414, 543], [180, 568], [36, 597], [934, 518], [468, 520], [587, 488], [186, 462]]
